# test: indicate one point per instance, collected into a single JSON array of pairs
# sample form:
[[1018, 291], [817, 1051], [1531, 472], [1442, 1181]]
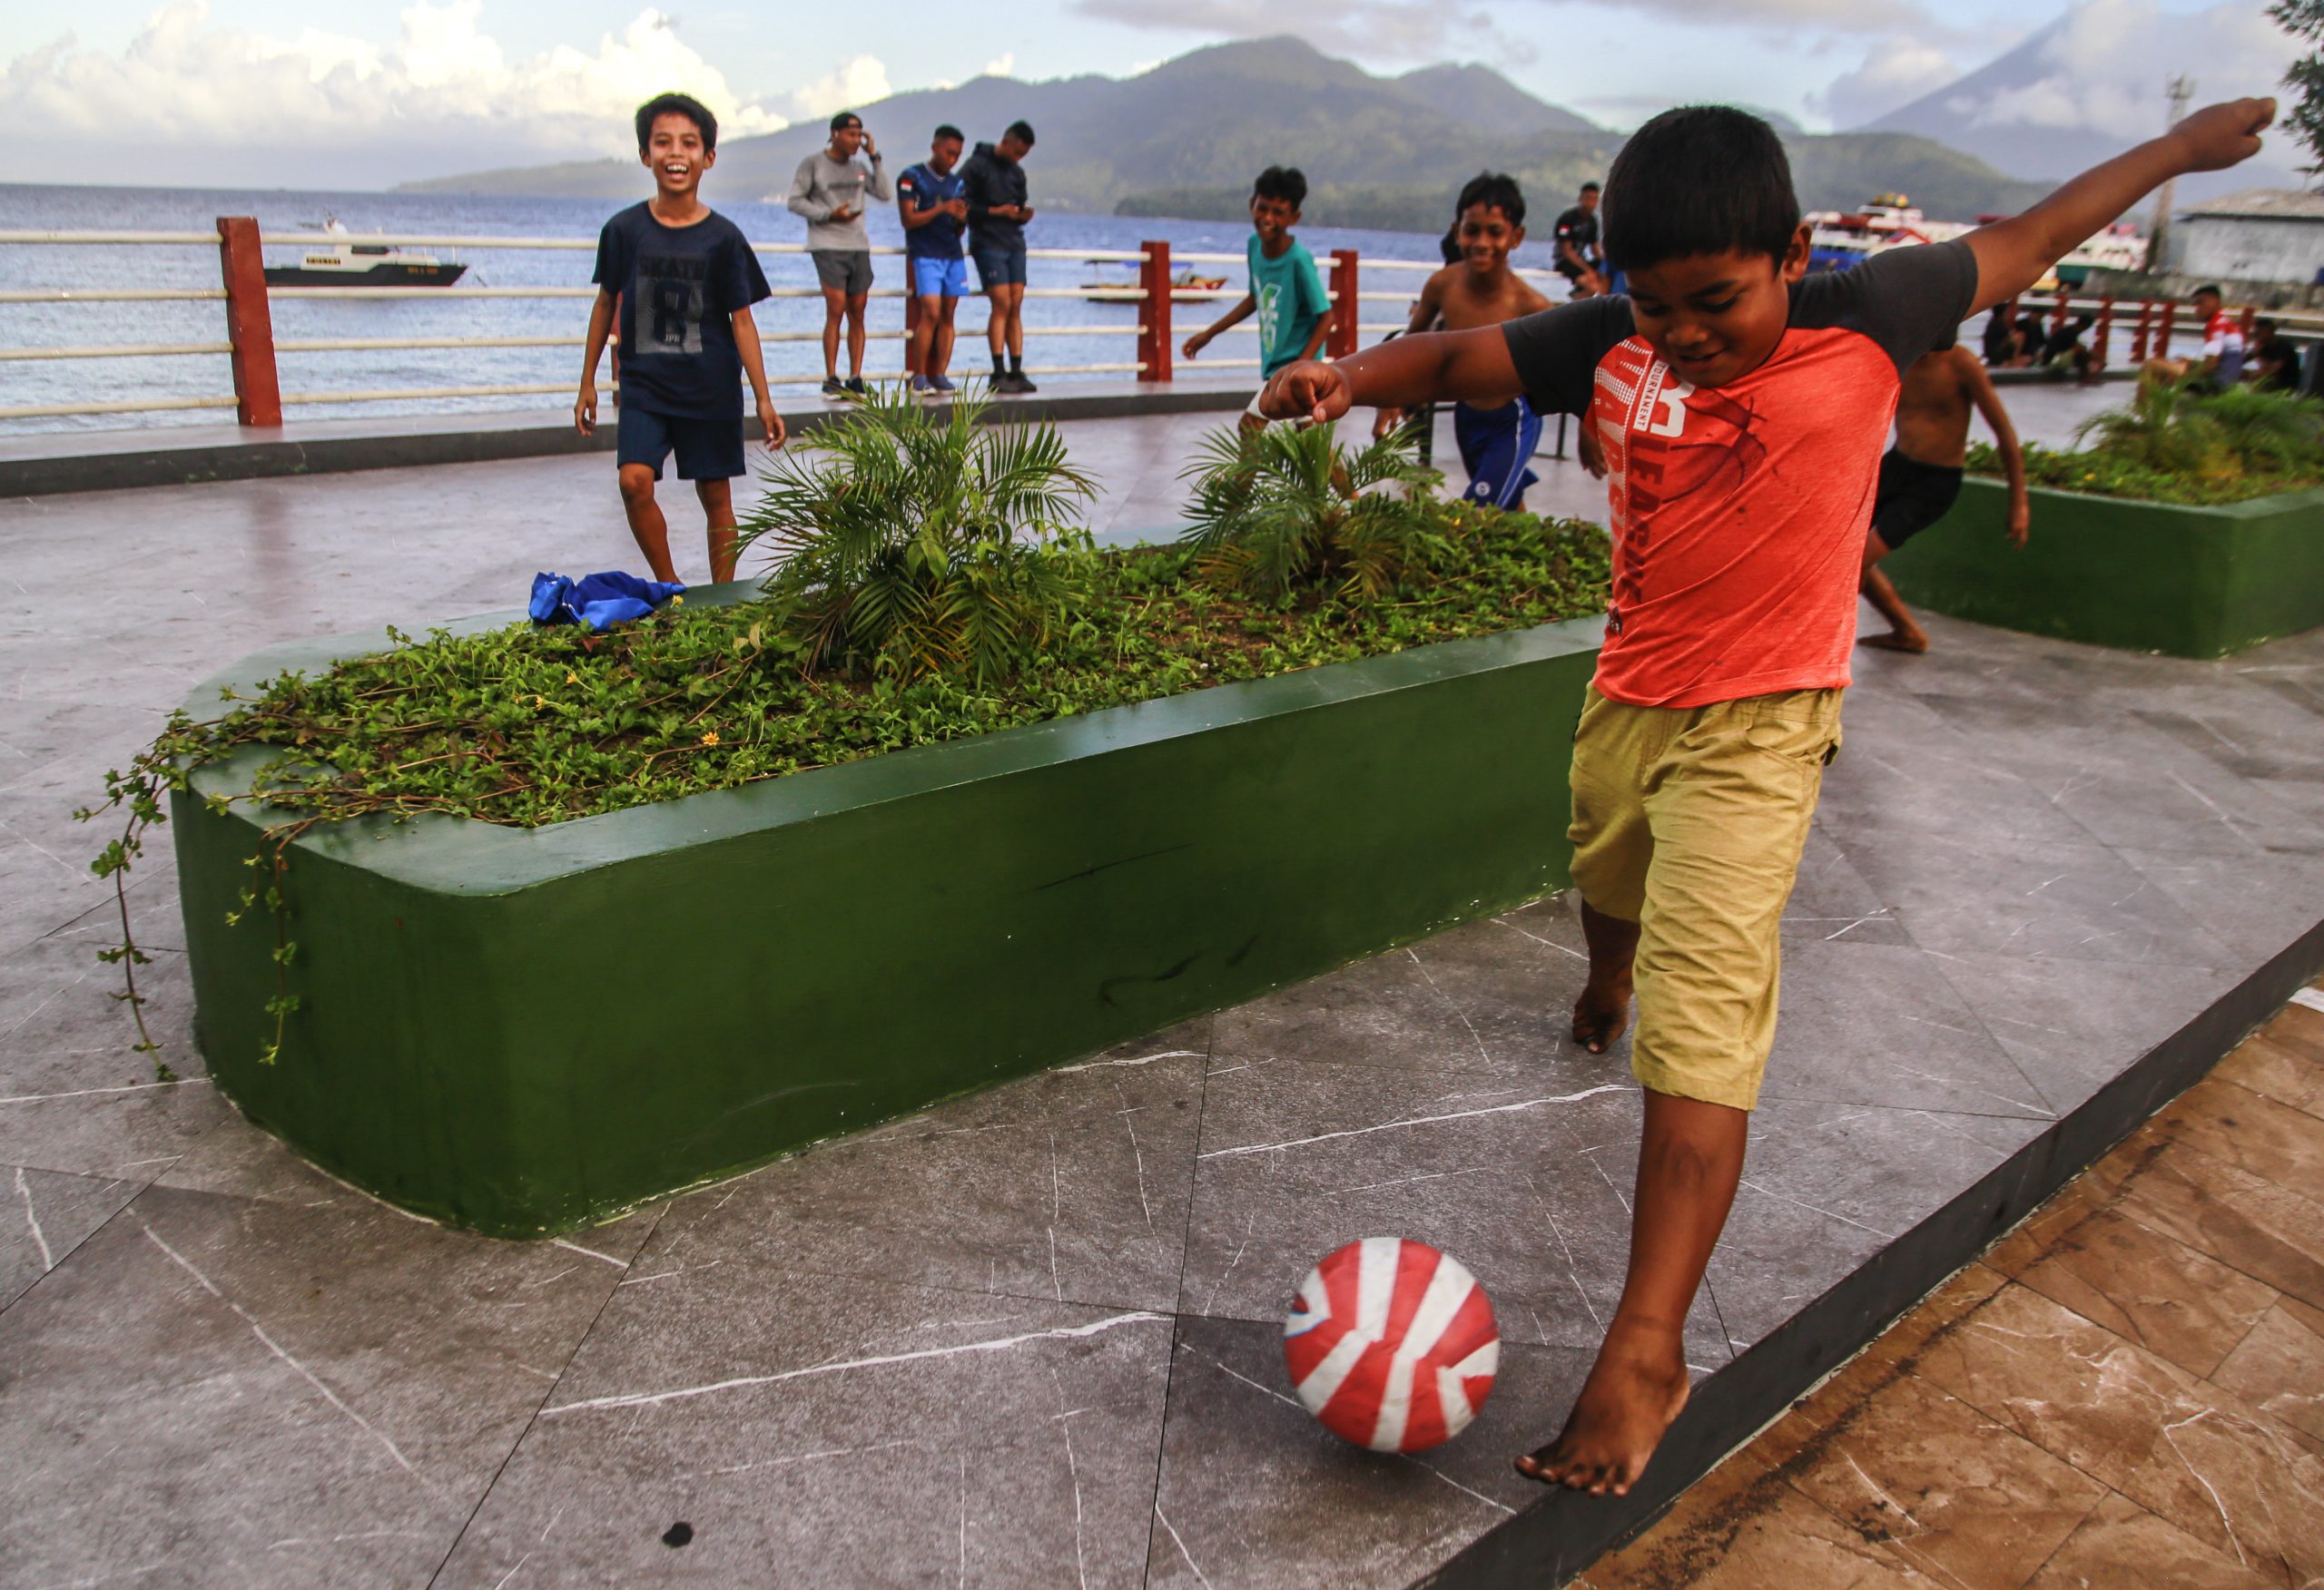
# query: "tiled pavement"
[[1028, 1337], [2128, 1391]]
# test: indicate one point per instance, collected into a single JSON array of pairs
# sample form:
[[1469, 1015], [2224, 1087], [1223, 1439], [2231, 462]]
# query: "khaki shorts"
[[1689, 821]]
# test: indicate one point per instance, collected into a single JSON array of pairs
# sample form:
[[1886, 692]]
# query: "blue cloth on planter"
[[599, 601]]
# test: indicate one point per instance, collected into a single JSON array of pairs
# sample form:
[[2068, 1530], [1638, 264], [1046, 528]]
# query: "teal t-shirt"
[[1290, 295]]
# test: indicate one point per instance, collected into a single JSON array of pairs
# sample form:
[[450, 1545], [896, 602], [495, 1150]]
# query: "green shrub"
[[2174, 443], [904, 544], [1287, 512]]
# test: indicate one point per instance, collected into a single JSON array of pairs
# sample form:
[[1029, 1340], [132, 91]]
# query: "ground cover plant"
[[973, 629], [2173, 443]]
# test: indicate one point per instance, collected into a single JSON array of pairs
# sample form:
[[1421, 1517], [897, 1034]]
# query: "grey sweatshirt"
[[822, 185]]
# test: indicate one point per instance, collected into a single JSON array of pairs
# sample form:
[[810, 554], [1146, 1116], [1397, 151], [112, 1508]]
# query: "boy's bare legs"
[[1905, 633], [941, 349], [834, 312], [645, 521], [855, 303], [717, 498], [1689, 1160], [1603, 1010]]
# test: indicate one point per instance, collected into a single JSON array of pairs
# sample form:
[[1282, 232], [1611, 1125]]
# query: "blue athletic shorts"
[[1496, 446], [707, 449], [1000, 262], [933, 277]]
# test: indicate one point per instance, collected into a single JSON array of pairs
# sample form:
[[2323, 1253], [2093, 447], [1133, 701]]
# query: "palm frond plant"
[[1288, 510], [2161, 427], [905, 543], [2272, 431]]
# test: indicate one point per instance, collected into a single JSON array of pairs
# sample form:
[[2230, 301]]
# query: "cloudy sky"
[[287, 92]]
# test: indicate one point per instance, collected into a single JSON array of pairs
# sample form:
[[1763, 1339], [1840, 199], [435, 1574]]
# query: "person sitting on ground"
[[1496, 443], [682, 278], [829, 190], [2062, 352], [993, 183], [931, 201], [1742, 404], [1574, 243], [1286, 289], [2274, 365], [2004, 340], [2219, 364], [1920, 477]]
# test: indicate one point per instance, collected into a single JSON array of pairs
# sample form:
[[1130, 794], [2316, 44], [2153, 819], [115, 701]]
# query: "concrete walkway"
[[1032, 1337], [2128, 1391]]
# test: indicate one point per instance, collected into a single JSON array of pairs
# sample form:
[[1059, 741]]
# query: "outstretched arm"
[[1433, 368], [2013, 456], [2014, 254], [1242, 312]]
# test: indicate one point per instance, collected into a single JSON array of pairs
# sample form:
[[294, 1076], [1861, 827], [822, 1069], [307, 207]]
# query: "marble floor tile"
[[2249, 1131], [2300, 1029], [2279, 1368], [2120, 1543], [1744, 1528], [278, 1395], [1902, 766], [1960, 1498], [2243, 1221], [1254, 1492], [2259, 906], [2190, 1452], [2269, 1066], [831, 1429], [1387, 1012], [2179, 1304], [1069, 1186], [44, 1216]]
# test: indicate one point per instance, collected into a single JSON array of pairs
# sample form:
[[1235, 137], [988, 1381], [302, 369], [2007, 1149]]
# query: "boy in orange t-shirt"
[[1742, 406]]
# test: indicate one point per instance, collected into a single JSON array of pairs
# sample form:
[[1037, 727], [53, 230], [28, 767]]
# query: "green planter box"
[[521, 1031], [2146, 576]]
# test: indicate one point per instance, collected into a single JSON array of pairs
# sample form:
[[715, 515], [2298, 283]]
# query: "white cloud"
[[2104, 69], [1896, 71], [1001, 65], [444, 94], [846, 87]]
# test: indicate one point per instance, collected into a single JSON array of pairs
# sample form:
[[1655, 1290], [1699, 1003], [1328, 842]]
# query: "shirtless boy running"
[[1921, 475], [1496, 443]]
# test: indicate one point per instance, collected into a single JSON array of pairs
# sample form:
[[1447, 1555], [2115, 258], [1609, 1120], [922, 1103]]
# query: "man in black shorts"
[[1574, 246], [1921, 475]]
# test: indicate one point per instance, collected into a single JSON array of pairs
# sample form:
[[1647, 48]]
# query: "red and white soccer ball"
[[1392, 1345]]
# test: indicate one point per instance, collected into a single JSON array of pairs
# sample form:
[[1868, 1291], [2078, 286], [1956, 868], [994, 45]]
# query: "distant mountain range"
[[1990, 113], [1186, 138]]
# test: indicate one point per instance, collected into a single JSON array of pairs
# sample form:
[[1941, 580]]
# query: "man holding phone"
[[830, 190]]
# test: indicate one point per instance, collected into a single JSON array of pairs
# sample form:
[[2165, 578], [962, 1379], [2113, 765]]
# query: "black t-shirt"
[[2282, 354], [679, 286], [1579, 227]]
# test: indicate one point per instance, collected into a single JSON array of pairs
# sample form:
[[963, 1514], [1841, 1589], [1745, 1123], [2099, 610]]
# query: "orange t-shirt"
[[1739, 511]]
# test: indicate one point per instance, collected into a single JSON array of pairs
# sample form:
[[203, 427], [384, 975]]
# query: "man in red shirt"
[[1742, 406], [2219, 364]]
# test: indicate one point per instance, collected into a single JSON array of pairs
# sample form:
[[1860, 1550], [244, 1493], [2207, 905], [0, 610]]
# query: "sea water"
[[78, 209]]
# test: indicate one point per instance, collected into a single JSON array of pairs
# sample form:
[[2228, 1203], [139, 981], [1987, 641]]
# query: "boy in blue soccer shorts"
[[682, 280], [1496, 443]]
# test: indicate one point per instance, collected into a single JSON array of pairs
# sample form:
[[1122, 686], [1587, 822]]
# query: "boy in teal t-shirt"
[[1286, 290]]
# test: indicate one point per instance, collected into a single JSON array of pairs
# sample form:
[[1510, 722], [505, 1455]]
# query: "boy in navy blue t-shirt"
[[682, 279], [931, 200]]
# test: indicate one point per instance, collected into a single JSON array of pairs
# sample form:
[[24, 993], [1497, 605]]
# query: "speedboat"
[[1186, 285]]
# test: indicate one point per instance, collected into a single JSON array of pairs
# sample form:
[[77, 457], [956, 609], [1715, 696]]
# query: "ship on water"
[[352, 264], [1843, 238]]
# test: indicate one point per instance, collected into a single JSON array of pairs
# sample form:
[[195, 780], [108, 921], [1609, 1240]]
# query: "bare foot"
[[1602, 1011], [1635, 1390], [1912, 641]]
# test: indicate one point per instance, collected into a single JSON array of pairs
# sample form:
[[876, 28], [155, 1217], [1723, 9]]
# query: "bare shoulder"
[[1524, 298]]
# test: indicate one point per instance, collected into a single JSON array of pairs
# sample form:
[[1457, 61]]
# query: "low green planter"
[[2145, 576], [523, 1030]]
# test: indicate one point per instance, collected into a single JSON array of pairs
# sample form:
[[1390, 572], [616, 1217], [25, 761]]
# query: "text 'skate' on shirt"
[[1739, 511], [679, 288]]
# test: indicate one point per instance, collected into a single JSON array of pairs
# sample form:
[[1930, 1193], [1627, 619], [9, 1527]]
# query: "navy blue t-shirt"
[[678, 287], [924, 190]]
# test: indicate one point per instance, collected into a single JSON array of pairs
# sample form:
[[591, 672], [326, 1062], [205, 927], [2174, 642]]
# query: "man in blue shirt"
[[932, 202]]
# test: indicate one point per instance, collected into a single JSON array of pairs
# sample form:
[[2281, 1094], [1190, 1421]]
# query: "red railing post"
[[1154, 313], [911, 321], [2105, 330], [250, 322], [1342, 340], [2058, 316], [2139, 337], [2251, 323], [2163, 327]]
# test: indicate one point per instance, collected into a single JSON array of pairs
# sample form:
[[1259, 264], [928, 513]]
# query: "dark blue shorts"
[[707, 449], [1496, 446], [998, 260]]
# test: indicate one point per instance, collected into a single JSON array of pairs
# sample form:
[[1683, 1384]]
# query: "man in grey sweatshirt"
[[830, 190]]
